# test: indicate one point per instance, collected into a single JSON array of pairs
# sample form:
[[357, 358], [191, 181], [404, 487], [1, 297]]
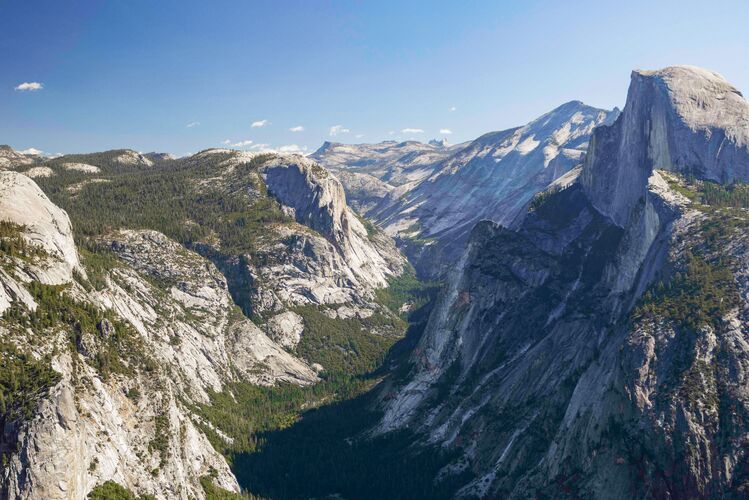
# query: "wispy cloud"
[[412, 131], [392, 132], [260, 123], [453, 108], [29, 86], [261, 147], [445, 131], [359, 136], [192, 124], [242, 144], [338, 129], [292, 148], [298, 128], [226, 141]]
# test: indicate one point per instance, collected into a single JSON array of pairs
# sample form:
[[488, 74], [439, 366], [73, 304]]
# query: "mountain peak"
[[680, 118], [439, 143]]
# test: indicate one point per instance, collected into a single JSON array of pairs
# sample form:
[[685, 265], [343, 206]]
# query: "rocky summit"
[[556, 310]]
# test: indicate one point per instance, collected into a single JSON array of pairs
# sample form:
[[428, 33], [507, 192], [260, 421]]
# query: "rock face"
[[493, 177], [319, 202], [10, 158], [92, 428], [683, 119], [554, 362], [44, 224], [396, 163]]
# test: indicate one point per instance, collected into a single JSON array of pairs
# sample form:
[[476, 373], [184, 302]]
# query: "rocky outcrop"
[[190, 315], [683, 119], [10, 159], [317, 200], [554, 363], [43, 224]]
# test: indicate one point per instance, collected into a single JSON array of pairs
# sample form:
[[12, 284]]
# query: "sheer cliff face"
[[555, 362], [683, 119], [318, 201]]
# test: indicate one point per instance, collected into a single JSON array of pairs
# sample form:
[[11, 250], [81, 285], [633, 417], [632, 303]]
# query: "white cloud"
[[32, 151], [445, 131], [25, 86], [260, 123], [412, 131], [359, 136], [192, 124], [242, 144], [392, 132], [261, 147], [338, 129], [298, 128], [453, 108], [292, 148], [226, 141]]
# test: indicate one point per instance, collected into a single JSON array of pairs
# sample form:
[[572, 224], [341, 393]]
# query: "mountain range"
[[431, 196], [557, 310]]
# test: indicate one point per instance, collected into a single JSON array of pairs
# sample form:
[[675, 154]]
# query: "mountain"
[[397, 163], [174, 309], [492, 177], [596, 349], [9, 158]]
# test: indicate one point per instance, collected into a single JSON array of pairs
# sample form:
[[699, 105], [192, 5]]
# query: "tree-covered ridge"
[[709, 193], [189, 200], [111, 490], [699, 294]]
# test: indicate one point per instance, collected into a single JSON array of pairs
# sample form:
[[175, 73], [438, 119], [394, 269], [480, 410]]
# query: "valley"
[[555, 310]]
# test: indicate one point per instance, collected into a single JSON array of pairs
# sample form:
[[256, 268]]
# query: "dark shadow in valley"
[[327, 453]]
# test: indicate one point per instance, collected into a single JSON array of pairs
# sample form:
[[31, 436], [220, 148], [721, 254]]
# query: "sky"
[[182, 76]]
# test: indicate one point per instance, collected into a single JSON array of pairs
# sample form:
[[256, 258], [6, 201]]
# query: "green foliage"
[[713, 194], [13, 244], [111, 490], [160, 441], [173, 200], [118, 351], [23, 380], [301, 442], [97, 261], [213, 492], [324, 455], [733, 195], [406, 289], [353, 345], [243, 409], [542, 197], [699, 295], [371, 229]]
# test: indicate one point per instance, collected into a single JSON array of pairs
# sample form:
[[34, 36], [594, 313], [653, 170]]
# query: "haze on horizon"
[[183, 76]]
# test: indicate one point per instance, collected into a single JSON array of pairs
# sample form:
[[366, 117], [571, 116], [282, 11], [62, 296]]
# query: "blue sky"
[[136, 73]]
